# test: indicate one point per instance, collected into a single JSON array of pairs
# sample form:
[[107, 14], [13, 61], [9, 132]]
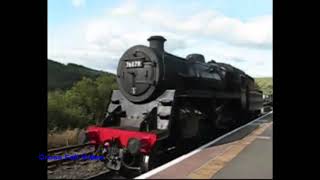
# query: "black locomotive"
[[166, 101]]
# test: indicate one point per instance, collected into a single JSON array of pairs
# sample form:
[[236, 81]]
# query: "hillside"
[[62, 76], [266, 84]]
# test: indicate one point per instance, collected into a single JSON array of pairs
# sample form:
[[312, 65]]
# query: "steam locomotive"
[[165, 101]]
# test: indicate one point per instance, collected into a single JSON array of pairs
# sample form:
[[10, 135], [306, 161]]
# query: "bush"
[[84, 104]]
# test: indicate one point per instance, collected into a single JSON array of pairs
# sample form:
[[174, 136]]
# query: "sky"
[[95, 33]]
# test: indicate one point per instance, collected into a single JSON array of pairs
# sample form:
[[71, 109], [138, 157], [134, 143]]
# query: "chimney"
[[157, 42]]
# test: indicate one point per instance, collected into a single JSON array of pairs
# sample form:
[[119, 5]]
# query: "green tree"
[[105, 85], [56, 114], [82, 98], [84, 104]]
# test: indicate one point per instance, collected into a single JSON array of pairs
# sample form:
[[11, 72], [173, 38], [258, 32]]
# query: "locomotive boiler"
[[166, 101]]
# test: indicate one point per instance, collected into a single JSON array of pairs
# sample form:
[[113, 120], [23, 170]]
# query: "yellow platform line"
[[210, 168]]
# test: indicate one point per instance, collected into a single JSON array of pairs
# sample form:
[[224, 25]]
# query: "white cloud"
[[100, 41], [256, 32], [78, 3]]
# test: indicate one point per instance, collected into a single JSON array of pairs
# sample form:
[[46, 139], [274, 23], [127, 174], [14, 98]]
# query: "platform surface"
[[254, 162], [245, 154]]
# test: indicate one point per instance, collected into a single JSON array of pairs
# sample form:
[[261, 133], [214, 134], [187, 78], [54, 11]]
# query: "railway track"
[[77, 168], [106, 175], [67, 155], [73, 162], [65, 148]]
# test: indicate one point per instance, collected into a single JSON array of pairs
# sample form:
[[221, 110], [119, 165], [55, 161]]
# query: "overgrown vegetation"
[[265, 84], [63, 138], [77, 95], [85, 103]]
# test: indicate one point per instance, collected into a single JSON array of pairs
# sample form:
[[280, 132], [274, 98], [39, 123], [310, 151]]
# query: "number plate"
[[134, 64]]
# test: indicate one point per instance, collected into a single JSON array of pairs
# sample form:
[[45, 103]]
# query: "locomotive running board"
[[208, 94]]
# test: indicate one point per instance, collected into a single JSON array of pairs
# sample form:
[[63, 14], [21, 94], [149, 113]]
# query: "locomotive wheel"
[[147, 163]]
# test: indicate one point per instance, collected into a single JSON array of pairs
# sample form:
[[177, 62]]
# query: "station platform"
[[244, 153]]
